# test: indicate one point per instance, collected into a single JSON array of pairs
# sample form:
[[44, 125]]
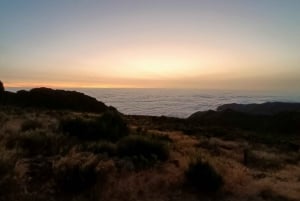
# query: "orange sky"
[[162, 44]]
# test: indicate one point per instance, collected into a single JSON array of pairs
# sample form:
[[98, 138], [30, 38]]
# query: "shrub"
[[103, 147], [142, 149], [109, 126], [112, 125], [7, 183], [30, 125], [5, 167], [78, 172], [203, 177], [38, 143], [76, 127]]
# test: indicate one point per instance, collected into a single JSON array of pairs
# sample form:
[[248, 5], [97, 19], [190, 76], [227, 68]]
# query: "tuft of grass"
[[269, 194], [160, 137], [262, 160], [202, 177]]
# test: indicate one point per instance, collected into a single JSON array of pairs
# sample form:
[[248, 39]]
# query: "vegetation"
[[64, 155], [109, 126], [30, 125], [261, 160], [45, 98], [103, 147], [143, 150], [32, 143], [75, 173], [7, 183], [203, 177]]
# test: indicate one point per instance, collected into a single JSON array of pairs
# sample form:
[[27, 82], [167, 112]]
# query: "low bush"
[[30, 125], [109, 126], [32, 143], [201, 176], [8, 185], [102, 147], [78, 172], [143, 150], [5, 167]]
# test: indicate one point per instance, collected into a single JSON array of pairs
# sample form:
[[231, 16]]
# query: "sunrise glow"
[[162, 44]]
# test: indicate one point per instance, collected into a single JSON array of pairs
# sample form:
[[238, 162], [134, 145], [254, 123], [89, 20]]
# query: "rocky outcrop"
[[268, 108], [54, 99]]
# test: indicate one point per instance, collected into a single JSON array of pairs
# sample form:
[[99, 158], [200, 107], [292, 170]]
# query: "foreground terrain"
[[63, 155], [64, 145]]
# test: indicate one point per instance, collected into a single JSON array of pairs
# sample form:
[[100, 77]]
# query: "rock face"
[[54, 99], [268, 108]]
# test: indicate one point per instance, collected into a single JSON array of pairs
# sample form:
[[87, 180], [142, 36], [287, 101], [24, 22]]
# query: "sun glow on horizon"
[[163, 61], [150, 44], [61, 85]]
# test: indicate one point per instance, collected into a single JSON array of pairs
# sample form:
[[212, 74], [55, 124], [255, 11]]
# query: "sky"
[[205, 44]]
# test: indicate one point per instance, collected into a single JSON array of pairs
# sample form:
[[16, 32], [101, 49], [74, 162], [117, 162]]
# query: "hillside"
[[55, 153]]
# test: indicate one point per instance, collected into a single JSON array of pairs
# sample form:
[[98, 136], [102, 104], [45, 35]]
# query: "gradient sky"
[[212, 44]]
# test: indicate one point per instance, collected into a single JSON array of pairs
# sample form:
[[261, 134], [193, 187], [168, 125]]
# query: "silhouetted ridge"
[[54, 99], [267, 108], [281, 122]]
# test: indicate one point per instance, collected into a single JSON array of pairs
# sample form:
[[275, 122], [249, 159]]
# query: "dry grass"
[[271, 174]]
